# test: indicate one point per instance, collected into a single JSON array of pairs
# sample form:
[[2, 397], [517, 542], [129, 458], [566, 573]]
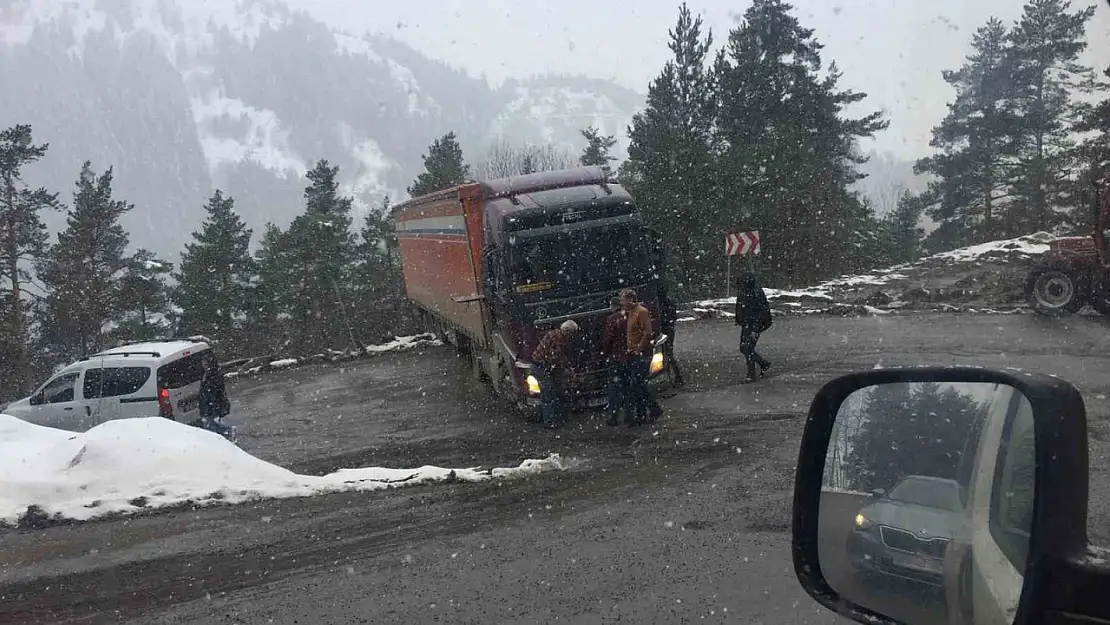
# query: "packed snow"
[[128, 465]]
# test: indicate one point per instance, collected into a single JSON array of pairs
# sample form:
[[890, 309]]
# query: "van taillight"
[[165, 408]]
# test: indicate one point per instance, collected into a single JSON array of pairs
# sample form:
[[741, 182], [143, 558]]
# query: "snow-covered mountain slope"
[[182, 96]]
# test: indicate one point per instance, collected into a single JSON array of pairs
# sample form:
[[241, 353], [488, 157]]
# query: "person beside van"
[[214, 404], [552, 368]]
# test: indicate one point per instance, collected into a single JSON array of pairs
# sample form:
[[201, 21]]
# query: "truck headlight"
[[656, 362], [533, 384]]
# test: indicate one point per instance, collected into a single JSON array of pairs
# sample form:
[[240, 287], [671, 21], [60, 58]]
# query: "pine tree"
[[444, 167], [670, 167], [23, 238], [791, 152], [597, 147], [144, 298], [975, 143], [270, 300], [321, 248], [379, 291], [216, 271], [83, 268], [1045, 47], [1092, 156], [901, 231]]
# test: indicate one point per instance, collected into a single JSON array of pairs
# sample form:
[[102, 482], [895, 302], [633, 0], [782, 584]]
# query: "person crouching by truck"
[[552, 369], [753, 315], [639, 348], [614, 348]]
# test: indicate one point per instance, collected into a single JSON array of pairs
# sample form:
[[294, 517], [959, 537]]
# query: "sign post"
[[739, 244]]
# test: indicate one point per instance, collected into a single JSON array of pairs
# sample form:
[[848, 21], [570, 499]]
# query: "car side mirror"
[[877, 493], [985, 509], [36, 400]]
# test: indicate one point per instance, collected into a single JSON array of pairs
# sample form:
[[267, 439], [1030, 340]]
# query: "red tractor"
[[1074, 271]]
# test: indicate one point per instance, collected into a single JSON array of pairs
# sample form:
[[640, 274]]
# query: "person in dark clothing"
[[639, 352], [753, 315], [614, 341], [552, 368], [668, 319], [214, 404]]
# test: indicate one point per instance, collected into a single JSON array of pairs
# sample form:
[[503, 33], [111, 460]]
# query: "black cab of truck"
[[564, 252]]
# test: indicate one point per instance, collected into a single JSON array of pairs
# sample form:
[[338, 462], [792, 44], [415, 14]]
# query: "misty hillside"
[[180, 101]]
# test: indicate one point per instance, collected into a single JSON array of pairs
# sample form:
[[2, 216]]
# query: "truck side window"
[[1011, 515]]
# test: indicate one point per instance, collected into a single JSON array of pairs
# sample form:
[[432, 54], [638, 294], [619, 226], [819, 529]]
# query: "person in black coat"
[[214, 403], [753, 315]]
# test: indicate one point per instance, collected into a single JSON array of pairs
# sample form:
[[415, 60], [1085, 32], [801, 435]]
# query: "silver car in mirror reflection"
[[906, 532]]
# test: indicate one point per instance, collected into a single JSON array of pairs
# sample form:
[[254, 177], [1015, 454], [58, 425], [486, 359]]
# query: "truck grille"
[[903, 540]]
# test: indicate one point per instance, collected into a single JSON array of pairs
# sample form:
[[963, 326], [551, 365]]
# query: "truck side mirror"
[[987, 499]]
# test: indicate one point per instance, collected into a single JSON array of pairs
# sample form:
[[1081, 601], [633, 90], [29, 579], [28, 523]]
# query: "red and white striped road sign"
[[742, 243]]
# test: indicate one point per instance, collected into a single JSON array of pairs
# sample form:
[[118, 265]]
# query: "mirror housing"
[[1058, 542], [36, 399], [877, 493]]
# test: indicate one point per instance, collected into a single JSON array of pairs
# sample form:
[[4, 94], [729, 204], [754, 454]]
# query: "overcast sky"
[[894, 50]]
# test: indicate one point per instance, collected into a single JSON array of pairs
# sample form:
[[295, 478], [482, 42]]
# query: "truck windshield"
[[611, 257]]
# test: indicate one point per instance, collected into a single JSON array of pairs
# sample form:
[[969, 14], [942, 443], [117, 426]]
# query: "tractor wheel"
[[1053, 291]]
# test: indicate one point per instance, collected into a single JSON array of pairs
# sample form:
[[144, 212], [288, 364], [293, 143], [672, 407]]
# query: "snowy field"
[[129, 465], [983, 278]]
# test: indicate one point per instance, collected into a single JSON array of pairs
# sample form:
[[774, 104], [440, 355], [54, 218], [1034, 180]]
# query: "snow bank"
[[401, 343], [851, 295], [252, 366], [1029, 245], [131, 464]]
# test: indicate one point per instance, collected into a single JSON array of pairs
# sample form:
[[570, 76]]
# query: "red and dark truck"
[[493, 265]]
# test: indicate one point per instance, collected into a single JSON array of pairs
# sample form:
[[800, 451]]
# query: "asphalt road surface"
[[687, 521]]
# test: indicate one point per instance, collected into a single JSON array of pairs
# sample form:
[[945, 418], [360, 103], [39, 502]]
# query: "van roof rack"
[[103, 355]]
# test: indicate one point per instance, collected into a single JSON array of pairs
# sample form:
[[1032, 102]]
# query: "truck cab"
[[554, 254]]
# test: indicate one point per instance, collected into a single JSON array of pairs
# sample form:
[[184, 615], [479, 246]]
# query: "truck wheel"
[[1053, 291]]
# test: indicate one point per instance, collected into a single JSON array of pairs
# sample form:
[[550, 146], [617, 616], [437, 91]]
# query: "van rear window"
[[184, 372], [114, 381]]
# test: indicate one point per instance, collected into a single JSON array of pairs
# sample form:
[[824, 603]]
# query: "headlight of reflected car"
[[863, 523]]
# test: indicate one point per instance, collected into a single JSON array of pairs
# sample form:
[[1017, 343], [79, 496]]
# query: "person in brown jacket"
[[639, 356], [614, 347], [551, 366]]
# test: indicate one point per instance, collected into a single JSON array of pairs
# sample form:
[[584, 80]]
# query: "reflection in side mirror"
[[927, 501]]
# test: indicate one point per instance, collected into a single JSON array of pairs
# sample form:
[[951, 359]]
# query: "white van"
[[138, 380]]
